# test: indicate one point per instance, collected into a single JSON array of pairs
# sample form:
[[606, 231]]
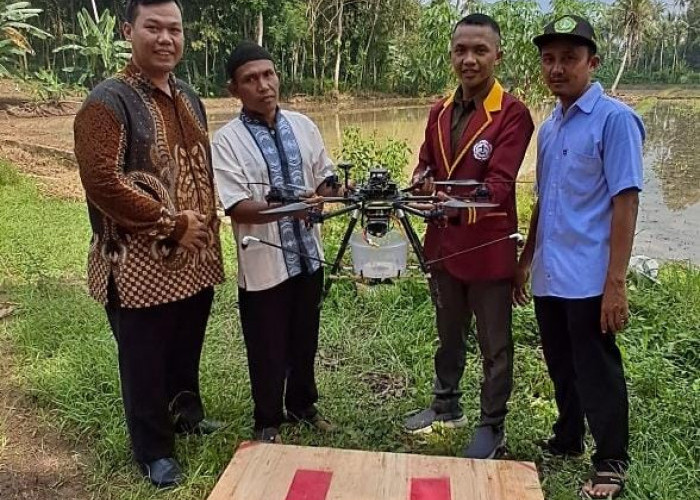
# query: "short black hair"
[[133, 5], [478, 19]]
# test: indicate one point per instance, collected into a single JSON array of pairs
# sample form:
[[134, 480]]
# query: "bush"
[[368, 152]]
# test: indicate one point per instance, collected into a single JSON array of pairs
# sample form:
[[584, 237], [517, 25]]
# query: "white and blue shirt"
[[242, 172], [585, 157]]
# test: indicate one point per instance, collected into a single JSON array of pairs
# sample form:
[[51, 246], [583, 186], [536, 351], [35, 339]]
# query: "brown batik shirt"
[[144, 158]]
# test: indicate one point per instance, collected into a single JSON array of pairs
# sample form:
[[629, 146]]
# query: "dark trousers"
[[455, 304], [586, 368], [280, 329], [159, 351]]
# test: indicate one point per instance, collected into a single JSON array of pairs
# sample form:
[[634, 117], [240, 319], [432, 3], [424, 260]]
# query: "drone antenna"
[[345, 167]]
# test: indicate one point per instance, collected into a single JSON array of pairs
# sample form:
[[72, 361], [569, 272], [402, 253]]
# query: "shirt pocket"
[[584, 172]]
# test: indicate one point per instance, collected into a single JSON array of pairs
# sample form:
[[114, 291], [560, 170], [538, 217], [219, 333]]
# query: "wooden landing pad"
[[283, 472]]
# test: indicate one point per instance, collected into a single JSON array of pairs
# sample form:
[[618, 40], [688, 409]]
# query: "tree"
[[15, 31], [96, 44], [633, 16]]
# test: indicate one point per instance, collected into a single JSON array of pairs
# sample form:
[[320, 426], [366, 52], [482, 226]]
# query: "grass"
[[375, 366]]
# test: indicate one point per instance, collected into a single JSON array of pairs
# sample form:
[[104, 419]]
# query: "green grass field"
[[374, 366]]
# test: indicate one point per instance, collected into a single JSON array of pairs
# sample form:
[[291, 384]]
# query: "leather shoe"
[[162, 473], [202, 428]]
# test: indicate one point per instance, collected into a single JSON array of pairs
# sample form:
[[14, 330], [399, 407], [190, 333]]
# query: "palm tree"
[[15, 31], [636, 17]]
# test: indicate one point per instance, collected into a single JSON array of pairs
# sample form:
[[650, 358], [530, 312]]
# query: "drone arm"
[[340, 211], [425, 215]]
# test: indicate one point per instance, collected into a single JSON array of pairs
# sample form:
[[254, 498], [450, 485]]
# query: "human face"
[[474, 53], [257, 85], [567, 68], [156, 38]]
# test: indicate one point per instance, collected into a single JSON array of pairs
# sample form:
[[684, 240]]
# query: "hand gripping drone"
[[374, 204]]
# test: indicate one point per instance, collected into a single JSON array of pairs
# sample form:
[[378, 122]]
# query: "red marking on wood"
[[310, 485], [430, 488]]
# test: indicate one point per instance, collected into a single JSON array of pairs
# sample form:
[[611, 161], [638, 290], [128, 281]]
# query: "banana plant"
[[98, 52], [15, 31]]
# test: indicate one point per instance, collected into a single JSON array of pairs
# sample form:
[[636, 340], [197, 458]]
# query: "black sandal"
[[610, 478]]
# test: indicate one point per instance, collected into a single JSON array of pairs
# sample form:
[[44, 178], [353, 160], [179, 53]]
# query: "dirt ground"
[[35, 463]]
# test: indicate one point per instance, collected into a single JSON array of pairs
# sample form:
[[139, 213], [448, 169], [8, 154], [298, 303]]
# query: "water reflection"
[[669, 218], [672, 151], [669, 214]]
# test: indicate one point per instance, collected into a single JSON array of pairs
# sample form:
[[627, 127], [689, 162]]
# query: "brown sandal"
[[607, 478]]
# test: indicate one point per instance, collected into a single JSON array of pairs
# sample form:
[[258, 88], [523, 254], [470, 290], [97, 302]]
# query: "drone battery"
[[381, 258]]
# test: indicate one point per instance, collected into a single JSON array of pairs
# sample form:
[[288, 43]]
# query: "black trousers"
[[159, 351], [586, 368], [456, 302], [280, 329]]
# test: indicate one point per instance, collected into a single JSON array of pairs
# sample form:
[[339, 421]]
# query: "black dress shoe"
[[162, 473], [202, 428]]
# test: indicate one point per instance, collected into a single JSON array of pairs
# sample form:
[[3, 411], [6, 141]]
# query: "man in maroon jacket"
[[479, 132]]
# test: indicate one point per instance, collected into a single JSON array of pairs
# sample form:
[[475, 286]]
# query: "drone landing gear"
[[341, 251], [413, 239]]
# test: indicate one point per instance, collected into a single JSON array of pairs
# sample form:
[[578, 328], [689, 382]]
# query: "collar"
[[587, 101], [492, 100], [254, 118], [459, 99], [134, 72]]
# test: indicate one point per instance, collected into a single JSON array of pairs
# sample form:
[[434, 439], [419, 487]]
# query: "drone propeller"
[[453, 203], [287, 186], [286, 209], [475, 182], [459, 182]]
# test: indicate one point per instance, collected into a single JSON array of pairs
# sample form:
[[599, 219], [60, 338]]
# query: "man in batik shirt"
[[142, 147]]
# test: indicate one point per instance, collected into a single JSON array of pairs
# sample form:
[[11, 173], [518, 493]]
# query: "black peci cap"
[[244, 52], [570, 26]]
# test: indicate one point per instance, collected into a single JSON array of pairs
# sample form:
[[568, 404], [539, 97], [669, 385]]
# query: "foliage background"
[[325, 47]]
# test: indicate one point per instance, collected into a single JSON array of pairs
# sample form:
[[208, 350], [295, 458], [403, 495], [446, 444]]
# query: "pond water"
[[669, 218]]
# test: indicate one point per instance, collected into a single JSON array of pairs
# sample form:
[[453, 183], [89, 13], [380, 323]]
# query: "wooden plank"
[[267, 472]]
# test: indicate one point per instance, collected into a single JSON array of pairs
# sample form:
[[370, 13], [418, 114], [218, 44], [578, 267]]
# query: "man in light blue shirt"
[[589, 174]]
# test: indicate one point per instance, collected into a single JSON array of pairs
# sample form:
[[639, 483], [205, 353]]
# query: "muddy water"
[[669, 218]]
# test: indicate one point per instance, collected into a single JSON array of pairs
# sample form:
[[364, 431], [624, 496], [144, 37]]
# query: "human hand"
[[614, 310], [196, 236], [521, 296], [425, 184], [450, 213], [314, 202]]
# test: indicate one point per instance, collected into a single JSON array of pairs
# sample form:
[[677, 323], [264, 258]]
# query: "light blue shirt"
[[584, 158]]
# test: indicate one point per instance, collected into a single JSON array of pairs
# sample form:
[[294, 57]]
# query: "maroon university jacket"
[[491, 149]]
